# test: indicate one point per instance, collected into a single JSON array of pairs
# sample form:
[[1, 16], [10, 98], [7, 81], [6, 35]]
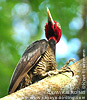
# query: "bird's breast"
[[46, 63]]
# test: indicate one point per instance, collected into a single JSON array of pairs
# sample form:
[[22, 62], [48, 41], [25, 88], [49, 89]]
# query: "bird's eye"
[[58, 25]]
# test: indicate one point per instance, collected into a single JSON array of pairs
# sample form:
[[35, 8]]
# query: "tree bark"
[[60, 86]]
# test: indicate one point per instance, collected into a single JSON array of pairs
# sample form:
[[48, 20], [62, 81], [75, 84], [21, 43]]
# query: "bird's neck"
[[52, 44]]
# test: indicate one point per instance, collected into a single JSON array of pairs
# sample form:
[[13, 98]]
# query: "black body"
[[36, 61]]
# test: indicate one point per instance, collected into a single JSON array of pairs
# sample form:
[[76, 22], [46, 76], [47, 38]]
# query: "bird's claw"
[[65, 68], [50, 73], [72, 59]]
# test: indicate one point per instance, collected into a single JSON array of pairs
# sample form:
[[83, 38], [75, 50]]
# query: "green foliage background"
[[62, 10]]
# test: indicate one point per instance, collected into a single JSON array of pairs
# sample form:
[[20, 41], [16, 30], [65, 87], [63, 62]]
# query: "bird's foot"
[[72, 59], [50, 73], [65, 68]]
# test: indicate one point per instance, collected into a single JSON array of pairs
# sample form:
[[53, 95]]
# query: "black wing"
[[28, 59]]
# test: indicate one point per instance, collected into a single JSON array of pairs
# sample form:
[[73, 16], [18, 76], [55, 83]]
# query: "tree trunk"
[[60, 86]]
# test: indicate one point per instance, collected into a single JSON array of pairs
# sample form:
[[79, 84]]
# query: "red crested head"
[[52, 29]]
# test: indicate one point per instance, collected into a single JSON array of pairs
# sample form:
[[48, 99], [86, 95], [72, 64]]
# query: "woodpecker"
[[38, 60]]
